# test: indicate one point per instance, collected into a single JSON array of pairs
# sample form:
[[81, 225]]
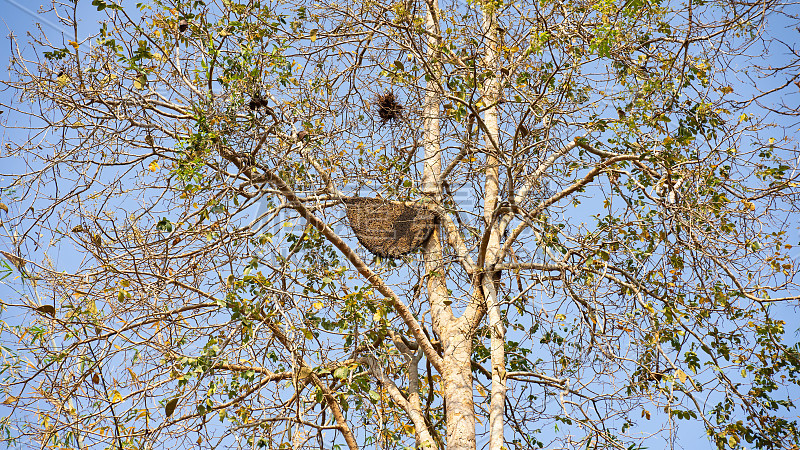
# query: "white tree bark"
[[457, 379], [456, 334], [491, 96]]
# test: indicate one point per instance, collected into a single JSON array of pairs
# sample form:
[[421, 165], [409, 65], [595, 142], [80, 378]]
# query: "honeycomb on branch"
[[389, 229]]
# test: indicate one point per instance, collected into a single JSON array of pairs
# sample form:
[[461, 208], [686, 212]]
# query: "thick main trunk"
[[457, 383], [456, 334]]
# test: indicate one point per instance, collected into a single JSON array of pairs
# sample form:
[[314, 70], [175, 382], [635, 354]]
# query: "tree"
[[609, 188]]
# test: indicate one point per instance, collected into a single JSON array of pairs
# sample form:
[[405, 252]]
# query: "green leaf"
[[341, 372], [374, 396], [164, 225], [102, 4]]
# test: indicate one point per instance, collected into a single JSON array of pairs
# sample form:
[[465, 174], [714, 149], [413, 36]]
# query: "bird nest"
[[389, 229], [388, 107]]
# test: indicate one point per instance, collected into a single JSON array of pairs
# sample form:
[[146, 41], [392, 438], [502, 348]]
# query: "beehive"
[[389, 229]]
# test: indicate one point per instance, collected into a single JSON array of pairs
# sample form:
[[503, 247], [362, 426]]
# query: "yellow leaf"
[[74, 45], [681, 375], [318, 305], [153, 166], [116, 397], [140, 82]]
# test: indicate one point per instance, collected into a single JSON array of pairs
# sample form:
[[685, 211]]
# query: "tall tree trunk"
[[491, 96], [456, 335]]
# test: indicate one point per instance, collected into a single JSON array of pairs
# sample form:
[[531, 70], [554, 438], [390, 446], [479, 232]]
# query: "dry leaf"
[[170, 407], [133, 375], [47, 310], [18, 262], [303, 373]]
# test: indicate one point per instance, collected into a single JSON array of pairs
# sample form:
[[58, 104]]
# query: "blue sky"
[[17, 18]]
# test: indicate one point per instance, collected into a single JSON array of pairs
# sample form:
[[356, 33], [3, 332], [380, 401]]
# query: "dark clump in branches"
[[388, 108], [389, 229], [257, 102]]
